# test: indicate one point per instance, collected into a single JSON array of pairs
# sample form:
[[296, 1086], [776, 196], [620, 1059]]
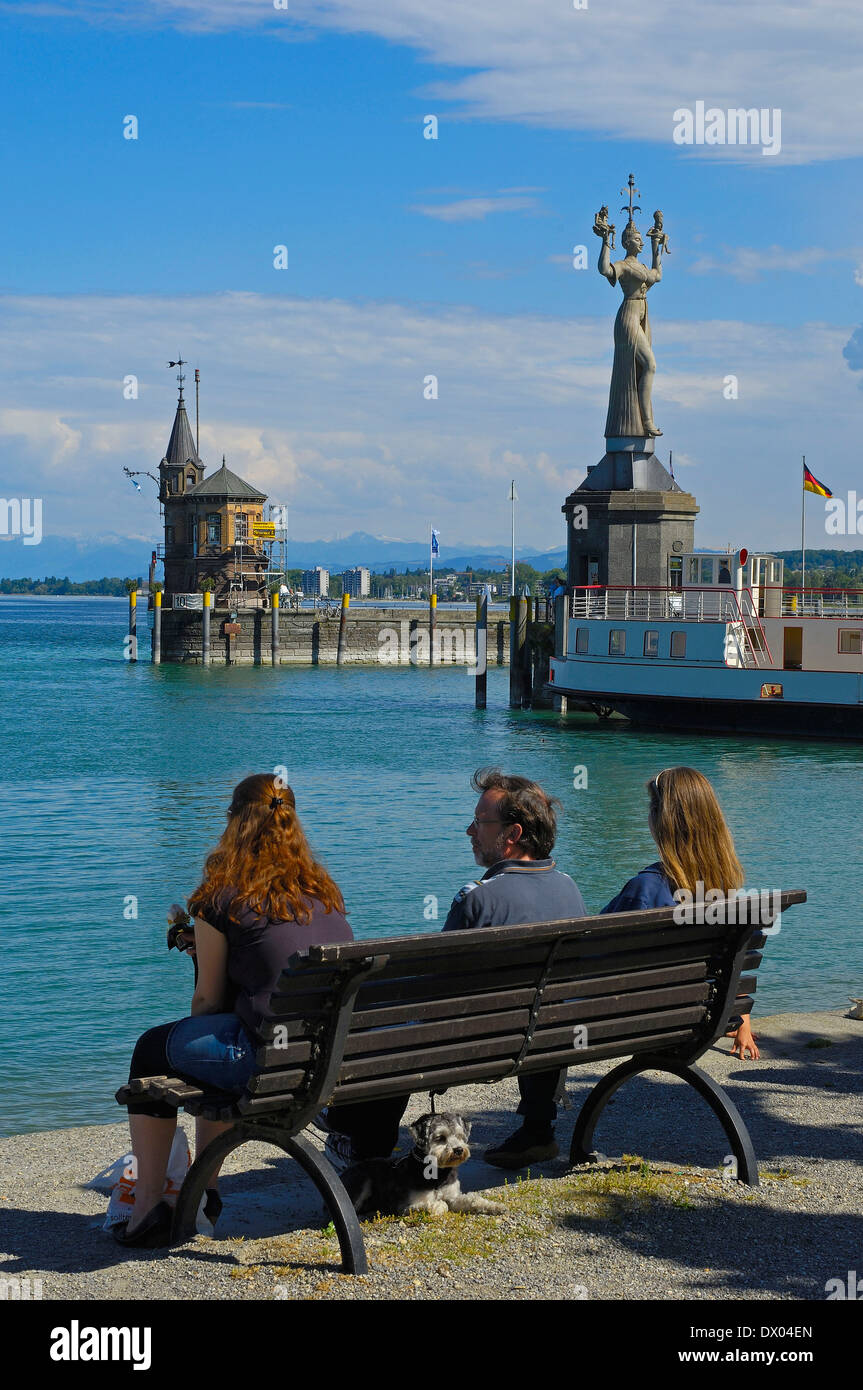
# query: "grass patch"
[[606, 1195], [536, 1208], [783, 1175], [819, 1042]]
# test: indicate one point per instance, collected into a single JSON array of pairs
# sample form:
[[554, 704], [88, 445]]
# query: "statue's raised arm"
[[602, 227]]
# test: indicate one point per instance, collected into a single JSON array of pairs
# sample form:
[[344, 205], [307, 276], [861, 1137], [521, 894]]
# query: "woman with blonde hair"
[[695, 847], [263, 897]]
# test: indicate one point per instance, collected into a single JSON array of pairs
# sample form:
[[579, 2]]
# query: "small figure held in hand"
[[657, 235], [603, 227]]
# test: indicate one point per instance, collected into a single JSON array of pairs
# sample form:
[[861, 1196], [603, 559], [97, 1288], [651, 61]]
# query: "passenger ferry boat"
[[724, 647]]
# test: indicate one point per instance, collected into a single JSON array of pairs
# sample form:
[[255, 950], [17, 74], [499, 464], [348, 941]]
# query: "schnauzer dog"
[[426, 1180]]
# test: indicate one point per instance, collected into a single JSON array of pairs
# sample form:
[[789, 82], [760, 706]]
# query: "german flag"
[[811, 484]]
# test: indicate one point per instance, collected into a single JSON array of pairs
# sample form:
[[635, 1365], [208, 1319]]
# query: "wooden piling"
[[205, 629], [432, 616], [481, 652], [157, 627], [133, 625], [519, 687], [274, 628], [343, 629]]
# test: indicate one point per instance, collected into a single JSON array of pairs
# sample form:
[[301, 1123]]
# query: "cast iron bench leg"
[[318, 1168], [719, 1101]]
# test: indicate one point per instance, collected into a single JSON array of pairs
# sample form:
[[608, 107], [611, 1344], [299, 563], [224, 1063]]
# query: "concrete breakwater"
[[372, 636]]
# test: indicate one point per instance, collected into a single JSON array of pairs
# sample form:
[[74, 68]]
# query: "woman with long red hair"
[[263, 897]]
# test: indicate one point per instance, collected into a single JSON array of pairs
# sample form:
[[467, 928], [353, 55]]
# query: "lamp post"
[[513, 497]]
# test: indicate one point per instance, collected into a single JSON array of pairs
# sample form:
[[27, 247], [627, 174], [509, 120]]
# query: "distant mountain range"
[[119, 555]]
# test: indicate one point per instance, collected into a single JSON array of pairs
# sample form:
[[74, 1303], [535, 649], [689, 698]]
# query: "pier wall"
[[373, 636]]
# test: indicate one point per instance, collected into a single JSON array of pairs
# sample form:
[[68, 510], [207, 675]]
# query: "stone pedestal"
[[628, 519]]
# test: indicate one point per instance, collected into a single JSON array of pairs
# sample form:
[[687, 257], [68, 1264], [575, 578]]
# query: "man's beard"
[[492, 856]]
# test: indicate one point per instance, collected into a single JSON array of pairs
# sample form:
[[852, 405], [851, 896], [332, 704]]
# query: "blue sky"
[[409, 256]]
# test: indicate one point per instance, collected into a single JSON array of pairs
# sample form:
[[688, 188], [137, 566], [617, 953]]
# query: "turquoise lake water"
[[116, 778]]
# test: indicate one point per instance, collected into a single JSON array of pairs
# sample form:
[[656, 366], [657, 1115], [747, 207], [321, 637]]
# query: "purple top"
[[259, 950]]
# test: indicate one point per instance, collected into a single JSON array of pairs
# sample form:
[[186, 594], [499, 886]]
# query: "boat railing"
[[646, 603], [816, 603]]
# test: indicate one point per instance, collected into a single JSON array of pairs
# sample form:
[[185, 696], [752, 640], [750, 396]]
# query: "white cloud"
[[44, 433], [473, 209], [618, 68], [320, 402], [748, 264]]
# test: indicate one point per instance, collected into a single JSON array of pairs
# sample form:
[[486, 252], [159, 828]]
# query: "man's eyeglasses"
[[490, 820]]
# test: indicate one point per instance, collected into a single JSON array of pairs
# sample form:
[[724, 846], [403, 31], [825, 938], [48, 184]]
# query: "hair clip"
[[276, 801]]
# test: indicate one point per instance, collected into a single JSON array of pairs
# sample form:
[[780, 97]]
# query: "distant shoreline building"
[[316, 582], [357, 582]]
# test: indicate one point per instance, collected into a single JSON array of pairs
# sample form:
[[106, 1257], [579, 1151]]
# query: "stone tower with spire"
[[210, 525], [179, 471]]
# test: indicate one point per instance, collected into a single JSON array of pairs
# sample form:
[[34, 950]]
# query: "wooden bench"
[[378, 1018]]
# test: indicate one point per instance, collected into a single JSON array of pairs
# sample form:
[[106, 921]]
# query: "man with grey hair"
[[512, 835]]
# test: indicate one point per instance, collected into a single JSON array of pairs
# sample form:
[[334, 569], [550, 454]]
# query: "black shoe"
[[212, 1205], [154, 1231], [522, 1148]]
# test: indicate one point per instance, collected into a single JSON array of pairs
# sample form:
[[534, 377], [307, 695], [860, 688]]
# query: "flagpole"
[[512, 571], [803, 536], [432, 600]]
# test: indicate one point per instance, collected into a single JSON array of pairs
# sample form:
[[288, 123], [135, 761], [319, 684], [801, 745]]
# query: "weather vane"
[[181, 363], [631, 188]]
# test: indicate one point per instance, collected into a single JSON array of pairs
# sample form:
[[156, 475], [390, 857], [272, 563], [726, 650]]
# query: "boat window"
[[775, 570], [678, 644], [617, 642], [850, 643], [582, 635], [692, 571], [651, 644], [707, 570]]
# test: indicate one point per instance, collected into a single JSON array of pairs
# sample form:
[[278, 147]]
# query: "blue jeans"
[[214, 1049]]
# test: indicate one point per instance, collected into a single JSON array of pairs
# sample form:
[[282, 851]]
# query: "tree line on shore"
[[834, 569]]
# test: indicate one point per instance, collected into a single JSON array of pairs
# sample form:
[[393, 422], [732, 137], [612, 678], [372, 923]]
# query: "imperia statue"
[[630, 409]]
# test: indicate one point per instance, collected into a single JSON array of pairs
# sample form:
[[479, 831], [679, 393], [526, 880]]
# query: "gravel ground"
[[663, 1224]]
